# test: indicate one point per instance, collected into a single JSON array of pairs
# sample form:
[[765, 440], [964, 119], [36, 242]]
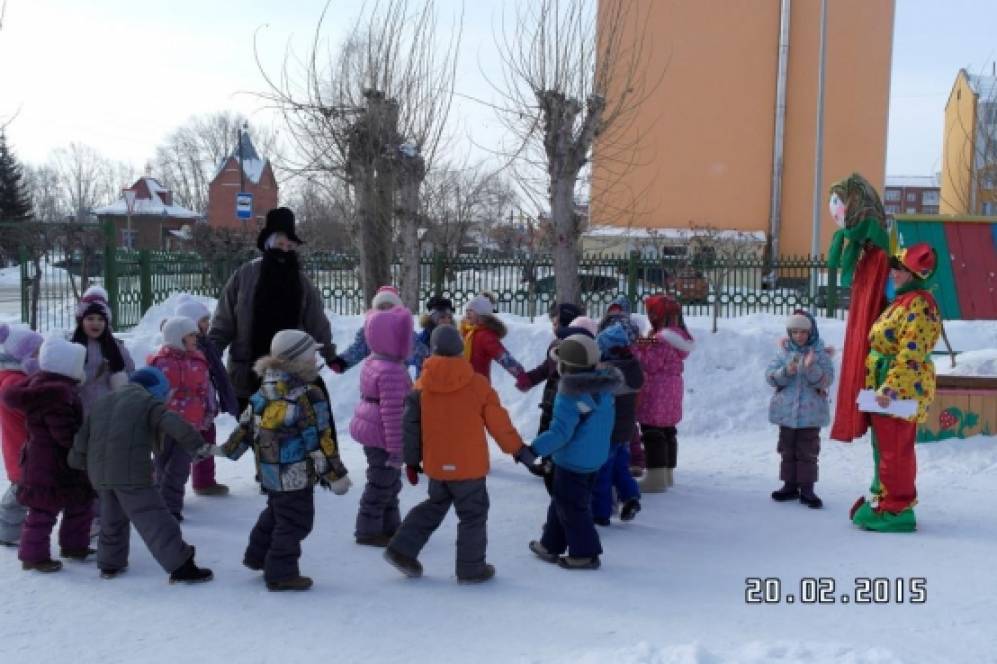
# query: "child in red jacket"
[[482, 332], [186, 368]]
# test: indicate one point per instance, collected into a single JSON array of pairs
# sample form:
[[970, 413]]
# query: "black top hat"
[[279, 220]]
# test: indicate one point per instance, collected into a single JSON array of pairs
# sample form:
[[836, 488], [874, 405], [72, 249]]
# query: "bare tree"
[[459, 201], [713, 254], [574, 78], [976, 133], [87, 178], [373, 115], [189, 157], [324, 213]]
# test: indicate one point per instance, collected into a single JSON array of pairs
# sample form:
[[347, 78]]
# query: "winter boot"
[[44, 566], [215, 489], [669, 477], [636, 471], [252, 564], [77, 554], [671, 453], [576, 562], [542, 553], [487, 573], [191, 573], [408, 566], [294, 584], [789, 491], [600, 520], [809, 498], [379, 540], [655, 480], [630, 509], [110, 573]]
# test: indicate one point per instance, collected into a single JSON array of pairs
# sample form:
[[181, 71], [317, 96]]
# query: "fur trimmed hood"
[[492, 322], [604, 379], [302, 368]]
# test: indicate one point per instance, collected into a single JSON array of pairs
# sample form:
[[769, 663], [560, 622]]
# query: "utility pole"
[[819, 149]]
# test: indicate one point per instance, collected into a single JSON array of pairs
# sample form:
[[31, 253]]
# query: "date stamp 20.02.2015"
[[826, 590]]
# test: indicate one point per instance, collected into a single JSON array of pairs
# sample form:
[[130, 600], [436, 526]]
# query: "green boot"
[[885, 522]]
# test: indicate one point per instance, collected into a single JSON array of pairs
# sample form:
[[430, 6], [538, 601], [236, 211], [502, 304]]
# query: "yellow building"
[[707, 132], [969, 147]]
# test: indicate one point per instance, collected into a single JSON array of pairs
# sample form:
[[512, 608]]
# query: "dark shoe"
[[487, 573], [294, 584], [630, 509], [542, 553], [809, 498], [76, 554], [600, 521], [191, 573], [407, 565], [43, 566], [379, 540], [112, 573], [178, 517], [585, 562], [253, 565], [789, 491], [215, 489]]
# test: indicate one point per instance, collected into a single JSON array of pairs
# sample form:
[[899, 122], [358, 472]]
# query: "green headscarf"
[[865, 222]]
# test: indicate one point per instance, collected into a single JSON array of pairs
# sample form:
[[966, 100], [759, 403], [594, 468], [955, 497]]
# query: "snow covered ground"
[[671, 589]]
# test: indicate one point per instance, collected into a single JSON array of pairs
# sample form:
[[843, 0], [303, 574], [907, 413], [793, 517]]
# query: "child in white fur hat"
[[482, 332]]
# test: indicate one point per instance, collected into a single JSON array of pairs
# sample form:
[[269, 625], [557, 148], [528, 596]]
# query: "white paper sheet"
[[898, 407]]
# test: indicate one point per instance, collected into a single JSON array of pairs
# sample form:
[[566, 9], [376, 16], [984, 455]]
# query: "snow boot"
[[669, 477], [655, 480], [379, 540], [112, 573], [542, 553], [809, 498], [191, 573], [77, 554], [252, 564], [600, 520], [671, 453], [484, 575], [636, 471], [215, 489], [294, 584], [630, 509], [178, 517], [576, 562], [789, 491], [408, 566], [43, 566], [884, 522]]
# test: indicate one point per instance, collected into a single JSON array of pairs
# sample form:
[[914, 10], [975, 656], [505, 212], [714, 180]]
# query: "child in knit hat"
[[115, 447], [801, 374], [50, 402], [446, 417], [108, 362], [19, 346], [482, 332], [187, 371], [287, 426], [439, 312], [221, 397], [386, 298], [578, 440]]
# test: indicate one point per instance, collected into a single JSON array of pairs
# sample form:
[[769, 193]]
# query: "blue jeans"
[[614, 473]]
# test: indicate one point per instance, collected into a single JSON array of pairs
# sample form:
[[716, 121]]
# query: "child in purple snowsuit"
[[377, 422]]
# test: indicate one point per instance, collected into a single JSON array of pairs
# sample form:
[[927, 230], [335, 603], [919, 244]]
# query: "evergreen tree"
[[15, 203]]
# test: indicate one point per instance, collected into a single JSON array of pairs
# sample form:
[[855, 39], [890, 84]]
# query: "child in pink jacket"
[[186, 368], [377, 422], [659, 407]]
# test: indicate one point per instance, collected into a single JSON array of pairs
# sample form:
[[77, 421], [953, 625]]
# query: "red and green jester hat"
[[861, 250]]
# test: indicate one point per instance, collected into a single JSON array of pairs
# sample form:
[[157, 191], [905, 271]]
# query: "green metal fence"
[[525, 286]]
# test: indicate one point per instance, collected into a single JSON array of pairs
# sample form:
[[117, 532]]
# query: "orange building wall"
[[708, 128], [223, 190]]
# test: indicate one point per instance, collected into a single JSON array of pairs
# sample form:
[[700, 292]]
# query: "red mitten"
[[523, 383], [412, 474]]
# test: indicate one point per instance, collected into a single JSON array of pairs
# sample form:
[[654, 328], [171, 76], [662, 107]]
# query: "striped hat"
[[292, 344]]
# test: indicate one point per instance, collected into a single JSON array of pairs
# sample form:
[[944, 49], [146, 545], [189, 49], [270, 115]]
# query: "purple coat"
[[661, 358], [384, 382], [54, 412]]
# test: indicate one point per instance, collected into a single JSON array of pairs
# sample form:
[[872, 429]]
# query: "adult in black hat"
[[264, 296]]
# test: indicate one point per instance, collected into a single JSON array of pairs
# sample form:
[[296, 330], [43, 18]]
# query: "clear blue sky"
[[119, 75]]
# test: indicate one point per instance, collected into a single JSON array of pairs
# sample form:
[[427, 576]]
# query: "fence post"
[[832, 291], [632, 280], [439, 270], [111, 268], [145, 279], [23, 258]]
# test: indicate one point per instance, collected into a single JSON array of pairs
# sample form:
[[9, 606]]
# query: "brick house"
[[155, 222], [256, 177], [911, 194]]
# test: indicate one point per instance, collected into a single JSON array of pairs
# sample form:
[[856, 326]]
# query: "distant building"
[[154, 223], [911, 194], [969, 147], [256, 178]]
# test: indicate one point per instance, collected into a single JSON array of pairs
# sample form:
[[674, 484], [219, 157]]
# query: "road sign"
[[243, 205]]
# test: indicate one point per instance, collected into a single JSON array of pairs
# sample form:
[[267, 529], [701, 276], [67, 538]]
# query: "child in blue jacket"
[[578, 442]]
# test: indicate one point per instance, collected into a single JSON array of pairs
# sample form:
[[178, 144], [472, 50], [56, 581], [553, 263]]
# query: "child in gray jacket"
[[801, 374], [115, 446]]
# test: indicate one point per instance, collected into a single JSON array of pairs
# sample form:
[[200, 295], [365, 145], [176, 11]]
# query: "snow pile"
[[970, 363]]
